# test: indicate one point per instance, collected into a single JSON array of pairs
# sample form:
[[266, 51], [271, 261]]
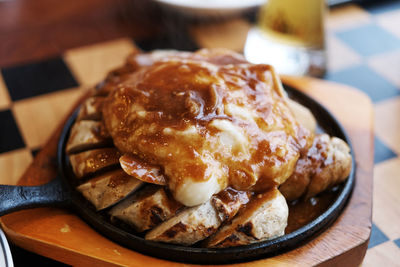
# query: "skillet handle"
[[14, 198]]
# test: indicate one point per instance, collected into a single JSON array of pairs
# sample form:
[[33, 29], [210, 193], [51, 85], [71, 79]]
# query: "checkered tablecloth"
[[364, 52], [363, 44]]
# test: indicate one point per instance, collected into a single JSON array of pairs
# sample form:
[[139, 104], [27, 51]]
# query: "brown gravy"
[[153, 107], [302, 212]]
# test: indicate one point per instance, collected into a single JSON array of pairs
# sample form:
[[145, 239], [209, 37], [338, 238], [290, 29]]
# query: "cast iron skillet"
[[61, 192]]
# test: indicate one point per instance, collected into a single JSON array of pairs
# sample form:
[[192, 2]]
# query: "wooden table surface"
[[44, 35]]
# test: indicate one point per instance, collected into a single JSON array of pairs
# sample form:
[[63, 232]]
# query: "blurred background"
[[351, 42]]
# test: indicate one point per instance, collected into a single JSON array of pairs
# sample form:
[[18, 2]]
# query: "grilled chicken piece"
[[296, 185], [189, 226], [197, 223], [206, 124], [335, 165], [109, 188], [326, 164], [228, 202], [142, 170], [146, 208], [303, 115], [92, 161], [87, 135], [264, 217], [91, 109]]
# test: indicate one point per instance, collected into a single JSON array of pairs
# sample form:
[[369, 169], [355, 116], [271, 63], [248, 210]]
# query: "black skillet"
[[61, 192]]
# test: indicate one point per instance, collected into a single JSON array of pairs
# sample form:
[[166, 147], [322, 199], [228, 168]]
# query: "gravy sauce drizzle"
[[208, 125]]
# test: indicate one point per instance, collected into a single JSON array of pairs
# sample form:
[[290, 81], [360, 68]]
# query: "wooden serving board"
[[63, 236]]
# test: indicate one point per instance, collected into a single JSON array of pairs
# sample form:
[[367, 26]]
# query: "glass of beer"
[[289, 35]]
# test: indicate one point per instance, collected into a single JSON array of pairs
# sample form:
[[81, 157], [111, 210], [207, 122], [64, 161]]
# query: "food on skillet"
[[207, 126], [215, 141], [327, 163], [265, 217], [87, 134], [198, 222], [108, 188], [147, 208], [92, 161]]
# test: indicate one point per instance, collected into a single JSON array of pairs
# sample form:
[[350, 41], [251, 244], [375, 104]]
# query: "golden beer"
[[289, 35], [296, 22]]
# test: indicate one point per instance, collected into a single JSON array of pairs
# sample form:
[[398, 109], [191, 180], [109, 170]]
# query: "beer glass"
[[289, 35]]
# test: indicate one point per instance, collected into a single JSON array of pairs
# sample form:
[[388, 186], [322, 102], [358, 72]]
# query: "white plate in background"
[[225, 7], [212, 7], [5, 253]]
